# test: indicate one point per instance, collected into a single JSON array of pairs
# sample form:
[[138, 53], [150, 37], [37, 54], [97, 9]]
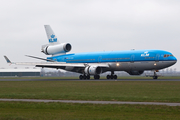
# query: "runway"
[[92, 102], [34, 79]]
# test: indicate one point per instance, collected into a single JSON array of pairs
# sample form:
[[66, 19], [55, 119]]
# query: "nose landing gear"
[[155, 75]]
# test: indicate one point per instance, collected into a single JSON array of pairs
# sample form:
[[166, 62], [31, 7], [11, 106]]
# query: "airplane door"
[[132, 58], [157, 57], [131, 64], [62, 60], [99, 59]]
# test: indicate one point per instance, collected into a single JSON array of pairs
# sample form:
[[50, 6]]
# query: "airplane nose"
[[174, 60]]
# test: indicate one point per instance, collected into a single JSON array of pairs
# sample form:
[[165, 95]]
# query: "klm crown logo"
[[52, 39], [145, 54]]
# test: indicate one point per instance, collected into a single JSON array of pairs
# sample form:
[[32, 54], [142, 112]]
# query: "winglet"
[[7, 60]]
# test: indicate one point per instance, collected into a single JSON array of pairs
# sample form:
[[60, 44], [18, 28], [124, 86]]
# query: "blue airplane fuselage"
[[116, 56]]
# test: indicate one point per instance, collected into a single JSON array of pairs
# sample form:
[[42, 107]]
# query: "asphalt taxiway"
[[29, 79], [92, 102]]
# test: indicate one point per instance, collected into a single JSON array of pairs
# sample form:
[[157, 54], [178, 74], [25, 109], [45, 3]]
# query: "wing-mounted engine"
[[56, 48], [135, 72], [92, 70]]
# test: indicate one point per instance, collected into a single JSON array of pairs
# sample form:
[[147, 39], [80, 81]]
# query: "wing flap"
[[62, 64]]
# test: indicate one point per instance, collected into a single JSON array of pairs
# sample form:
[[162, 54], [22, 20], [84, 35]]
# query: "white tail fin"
[[52, 38]]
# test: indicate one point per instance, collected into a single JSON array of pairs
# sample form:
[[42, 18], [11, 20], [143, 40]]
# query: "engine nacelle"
[[93, 70], [135, 72], [56, 49]]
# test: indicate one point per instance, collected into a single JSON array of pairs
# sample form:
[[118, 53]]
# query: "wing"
[[59, 65]]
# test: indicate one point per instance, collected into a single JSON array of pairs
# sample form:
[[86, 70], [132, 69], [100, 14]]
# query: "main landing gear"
[[96, 76], [83, 77], [112, 76]]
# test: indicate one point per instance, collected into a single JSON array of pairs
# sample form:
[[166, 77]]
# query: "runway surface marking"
[[91, 102]]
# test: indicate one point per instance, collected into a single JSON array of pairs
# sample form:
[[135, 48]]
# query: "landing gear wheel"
[[115, 76], [155, 77], [108, 76], [84, 76], [96, 76], [88, 77], [111, 76], [81, 77]]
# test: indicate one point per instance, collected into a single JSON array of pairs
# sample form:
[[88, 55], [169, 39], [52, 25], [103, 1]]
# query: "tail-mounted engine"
[[56, 49], [92, 70]]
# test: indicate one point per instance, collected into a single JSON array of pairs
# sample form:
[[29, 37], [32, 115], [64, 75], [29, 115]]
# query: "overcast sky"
[[89, 25]]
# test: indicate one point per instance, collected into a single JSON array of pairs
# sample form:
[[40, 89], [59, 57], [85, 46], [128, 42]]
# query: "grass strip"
[[70, 111], [150, 91]]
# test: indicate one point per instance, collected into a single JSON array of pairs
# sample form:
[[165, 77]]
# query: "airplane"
[[134, 62]]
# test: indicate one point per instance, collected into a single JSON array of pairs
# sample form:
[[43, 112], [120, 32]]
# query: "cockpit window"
[[167, 55]]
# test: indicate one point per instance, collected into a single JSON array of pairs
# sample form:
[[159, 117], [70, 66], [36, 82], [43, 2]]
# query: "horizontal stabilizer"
[[40, 58]]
